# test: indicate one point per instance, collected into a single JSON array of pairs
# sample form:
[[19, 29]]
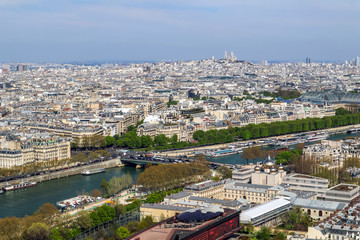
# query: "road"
[[195, 150]]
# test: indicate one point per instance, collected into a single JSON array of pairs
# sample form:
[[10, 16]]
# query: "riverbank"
[[196, 150], [27, 200], [120, 198], [65, 173]]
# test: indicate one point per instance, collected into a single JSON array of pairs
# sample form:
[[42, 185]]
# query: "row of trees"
[[310, 166], [115, 185], [89, 142], [47, 223], [263, 234], [253, 131], [157, 196], [286, 157], [169, 176], [296, 219], [131, 140]]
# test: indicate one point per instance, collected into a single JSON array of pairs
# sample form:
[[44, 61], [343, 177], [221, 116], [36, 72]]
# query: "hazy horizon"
[[138, 30]]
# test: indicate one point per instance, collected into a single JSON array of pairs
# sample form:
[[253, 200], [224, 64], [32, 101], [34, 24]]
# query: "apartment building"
[[302, 182], [18, 154]]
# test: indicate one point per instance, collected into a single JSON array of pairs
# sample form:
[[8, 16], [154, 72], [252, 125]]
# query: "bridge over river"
[[142, 162]]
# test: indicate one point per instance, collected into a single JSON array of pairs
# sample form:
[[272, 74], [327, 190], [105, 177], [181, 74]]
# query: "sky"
[[158, 30]]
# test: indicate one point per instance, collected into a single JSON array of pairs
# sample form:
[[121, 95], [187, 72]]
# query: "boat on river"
[[289, 141], [318, 137], [9, 187], [93, 171], [353, 130], [223, 152]]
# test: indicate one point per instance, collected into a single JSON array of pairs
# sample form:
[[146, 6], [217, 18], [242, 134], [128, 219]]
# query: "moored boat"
[[353, 130], [9, 187], [224, 152], [93, 171], [317, 137]]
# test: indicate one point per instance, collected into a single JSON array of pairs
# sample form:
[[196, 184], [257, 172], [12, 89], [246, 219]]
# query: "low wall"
[[65, 173]]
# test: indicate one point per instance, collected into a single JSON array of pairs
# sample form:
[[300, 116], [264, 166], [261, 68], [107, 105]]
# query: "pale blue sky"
[[80, 30]]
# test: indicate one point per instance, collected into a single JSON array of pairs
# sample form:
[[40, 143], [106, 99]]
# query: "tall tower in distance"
[[308, 60], [357, 61], [225, 55]]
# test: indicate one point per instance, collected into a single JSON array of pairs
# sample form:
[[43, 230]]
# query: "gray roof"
[[233, 203], [317, 204], [165, 207], [331, 96], [206, 185], [178, 195]]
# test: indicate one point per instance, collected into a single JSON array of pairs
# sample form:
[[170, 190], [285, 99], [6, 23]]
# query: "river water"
[[237, 159], [27, 201]]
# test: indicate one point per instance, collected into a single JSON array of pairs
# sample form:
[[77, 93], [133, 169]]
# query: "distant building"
[[318, 209], [242, 175], [337, 96], [343, 192], [268, 174], [342, 224], [16, 154], [254, 193], [302, 182], [266, 214]]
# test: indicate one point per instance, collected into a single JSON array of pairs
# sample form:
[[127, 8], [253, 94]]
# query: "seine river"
[[27, 201], [237, 159]]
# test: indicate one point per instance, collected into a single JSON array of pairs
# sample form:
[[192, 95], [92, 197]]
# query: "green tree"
[[119, 209], [104, 213], [246, 135], [280, 236], [198, 135], [160, 140], [249, 228], [146, 141], [104, 187], [341, 111], [37, 231], [83, 220], [109, 141], [123, 232], [10, 228], [296, 219], [225, 172], [174, 139], [131, 128], [155, 197], [132, 226], [145, 223], [352, 162], [263, 234], [95, 193], [80, 157], [47, 210], [55, 234]]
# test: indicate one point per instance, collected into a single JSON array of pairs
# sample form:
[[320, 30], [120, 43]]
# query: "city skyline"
[[68, 31]]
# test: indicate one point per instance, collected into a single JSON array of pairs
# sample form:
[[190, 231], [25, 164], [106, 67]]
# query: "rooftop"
[[321, 205], [171, 227], [344, 187]]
